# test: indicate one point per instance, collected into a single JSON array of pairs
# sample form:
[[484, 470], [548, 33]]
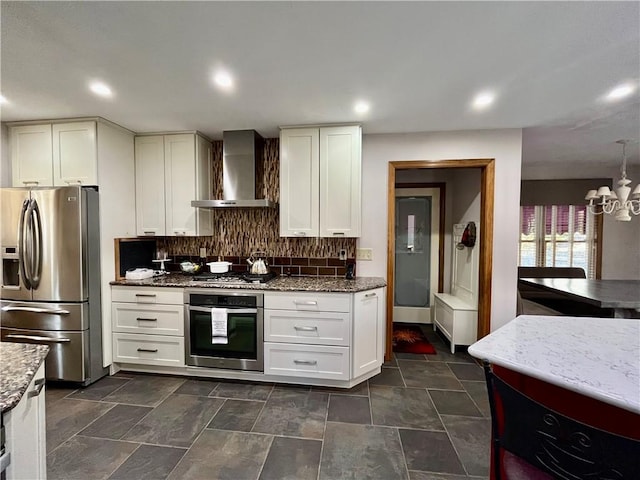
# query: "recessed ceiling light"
[[361, 107], [223, 80], [3, 100], [621, 91], [101, 89], [483, 100]]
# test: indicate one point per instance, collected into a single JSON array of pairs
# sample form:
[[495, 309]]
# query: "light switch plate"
[[364, 254], [203, 252]]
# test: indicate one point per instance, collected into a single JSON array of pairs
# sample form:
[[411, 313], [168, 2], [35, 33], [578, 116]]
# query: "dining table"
[[620, 297]]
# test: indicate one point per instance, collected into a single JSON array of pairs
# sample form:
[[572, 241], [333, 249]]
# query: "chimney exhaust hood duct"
[[242, 151]]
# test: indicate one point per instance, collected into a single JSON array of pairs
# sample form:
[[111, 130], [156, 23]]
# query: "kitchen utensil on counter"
[[219, 267], [350, 271], [258, 262], [190, 267]]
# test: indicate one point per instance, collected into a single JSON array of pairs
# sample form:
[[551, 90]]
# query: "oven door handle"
[[229, 310]]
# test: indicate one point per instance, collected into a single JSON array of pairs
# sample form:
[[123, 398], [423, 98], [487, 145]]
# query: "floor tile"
[[83, 457], [147, 391], [467, 371], [116, 422], [239, 415], [349, 409], [246, 391], [430, 451], [67, 417], [197, 387], [391, 363], [361, 451], [428, 375], [410, 356], [390, 377], [176, 422], [292, 459], [443, 354], [296, 414], [100, 389], [472, 439], [223, 455], [362, 389], [55, 392], [149, 462], [415, 475], [404, 407], [478, 393], [449, 402]]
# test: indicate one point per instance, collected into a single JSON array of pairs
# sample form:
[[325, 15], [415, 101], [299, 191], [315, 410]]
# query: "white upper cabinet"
[[171, 171], [340, 172], [31, 158], [75, 154], [57, 154], [320, 192], [299, 182]]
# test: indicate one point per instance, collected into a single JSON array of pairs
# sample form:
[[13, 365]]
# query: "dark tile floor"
[[425, 417]]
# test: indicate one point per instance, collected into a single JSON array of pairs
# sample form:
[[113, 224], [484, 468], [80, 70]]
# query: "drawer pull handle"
[[149, 295], [369, 295], [149, 232], [312, 302], [39, 384], [306, 329], [150, 350], [338, 233], [305, 362], [146, 319], [300, 234]]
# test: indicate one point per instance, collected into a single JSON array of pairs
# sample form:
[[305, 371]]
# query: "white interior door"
[[417, 234]]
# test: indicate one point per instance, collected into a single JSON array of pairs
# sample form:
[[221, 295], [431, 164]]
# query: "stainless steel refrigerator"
[[50, 291]]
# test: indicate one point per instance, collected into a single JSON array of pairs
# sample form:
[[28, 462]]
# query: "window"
[[558, 236]]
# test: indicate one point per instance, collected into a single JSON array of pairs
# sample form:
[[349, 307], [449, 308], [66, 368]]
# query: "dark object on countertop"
[[133, 253], [350, 271]]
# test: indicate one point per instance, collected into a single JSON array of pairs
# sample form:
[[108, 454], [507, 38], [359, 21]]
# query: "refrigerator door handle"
[[36, 231], [22, 245], [52, 311], [38, 338]]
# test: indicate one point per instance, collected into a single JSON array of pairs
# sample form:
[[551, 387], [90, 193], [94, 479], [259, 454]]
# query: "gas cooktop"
[[234, 277]]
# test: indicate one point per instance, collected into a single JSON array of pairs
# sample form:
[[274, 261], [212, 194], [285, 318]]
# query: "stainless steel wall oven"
[[242, 348]]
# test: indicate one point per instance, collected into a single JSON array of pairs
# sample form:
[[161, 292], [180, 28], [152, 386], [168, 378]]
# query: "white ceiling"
[[419, 64]]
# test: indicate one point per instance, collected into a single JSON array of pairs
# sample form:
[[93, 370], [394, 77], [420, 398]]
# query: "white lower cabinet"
[[148, 326], [332, 336], [26, 435]]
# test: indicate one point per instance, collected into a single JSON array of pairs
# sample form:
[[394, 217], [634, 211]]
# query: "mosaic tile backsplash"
[[239, 232]]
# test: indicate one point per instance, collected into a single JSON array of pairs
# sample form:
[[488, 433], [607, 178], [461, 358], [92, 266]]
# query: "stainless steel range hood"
[[242, 152]]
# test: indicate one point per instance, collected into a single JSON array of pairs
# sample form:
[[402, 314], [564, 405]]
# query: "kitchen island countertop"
[[595, 357], [281, 284], [19, 362]]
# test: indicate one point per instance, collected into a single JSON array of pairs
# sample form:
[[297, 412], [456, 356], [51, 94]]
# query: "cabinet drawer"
[[154, 319], [148, 349], [309, 361], [312, 302], [444, 317], [172, 296], [317, 328]]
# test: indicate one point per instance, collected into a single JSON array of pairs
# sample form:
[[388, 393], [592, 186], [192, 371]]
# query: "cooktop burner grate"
[[234, 277]]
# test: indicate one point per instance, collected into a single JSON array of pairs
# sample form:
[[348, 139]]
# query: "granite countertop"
[[282, 284], [595, 357], [18, 364], [602, 293]]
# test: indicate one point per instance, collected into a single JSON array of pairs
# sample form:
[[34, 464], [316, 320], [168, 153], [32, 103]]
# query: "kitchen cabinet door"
[[75, 154], [150, 185], [26, 436], [180, 184], [340, 173], [31, 158], [368, 331], [299, 182]]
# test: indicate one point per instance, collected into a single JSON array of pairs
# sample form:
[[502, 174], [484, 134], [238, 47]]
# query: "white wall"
[[620, 240], [5, 160], [503, 145]]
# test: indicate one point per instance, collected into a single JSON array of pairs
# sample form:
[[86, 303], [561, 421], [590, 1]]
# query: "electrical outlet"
[[364, 254], [203, 252], [343, 254]]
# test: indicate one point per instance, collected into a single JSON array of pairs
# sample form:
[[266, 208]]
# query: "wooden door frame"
[[487, 183]]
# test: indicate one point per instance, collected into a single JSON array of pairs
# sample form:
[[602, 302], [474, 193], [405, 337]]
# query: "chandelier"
[[620, 203]]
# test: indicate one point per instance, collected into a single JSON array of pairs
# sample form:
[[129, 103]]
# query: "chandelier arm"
[[611, 206]]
